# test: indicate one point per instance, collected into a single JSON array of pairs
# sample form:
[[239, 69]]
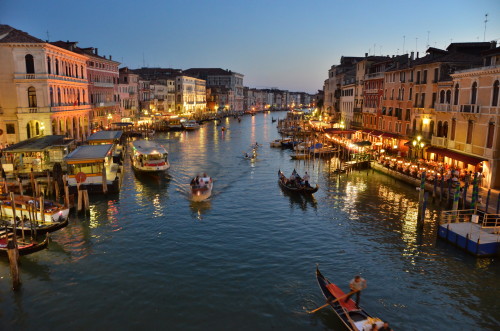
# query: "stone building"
[[43, 89]]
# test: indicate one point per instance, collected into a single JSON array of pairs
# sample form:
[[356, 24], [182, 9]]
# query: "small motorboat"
[[201, 188], [352, 317], [190, 125], [295, 184]]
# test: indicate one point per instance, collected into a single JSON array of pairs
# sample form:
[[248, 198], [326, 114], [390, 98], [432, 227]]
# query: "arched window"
[[491, 133], [431, 127], [403, 93], [49, 69], [473, 94], [58, 96], [392, 94], [32, 97], [81, 71], [455, 100], [445, 129], [57, 67], [448, 96], [453, 128], [76, 71], [441, 96], [30, 64], [28, 130], [37, 129], [440, 129], [494, 101]]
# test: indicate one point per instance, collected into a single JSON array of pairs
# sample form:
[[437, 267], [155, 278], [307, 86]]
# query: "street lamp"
[[418, 145]]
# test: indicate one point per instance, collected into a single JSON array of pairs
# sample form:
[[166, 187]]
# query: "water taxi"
[[148, 156], [190, 125], [201, 188]]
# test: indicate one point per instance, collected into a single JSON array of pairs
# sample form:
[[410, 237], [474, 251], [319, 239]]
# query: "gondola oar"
[[330, 302]]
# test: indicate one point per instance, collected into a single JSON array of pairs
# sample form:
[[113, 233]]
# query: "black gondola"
[[352, 318], [302, 189], [24, 248]]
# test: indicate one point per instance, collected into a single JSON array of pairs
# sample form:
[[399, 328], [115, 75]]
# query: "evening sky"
[[274, 43]]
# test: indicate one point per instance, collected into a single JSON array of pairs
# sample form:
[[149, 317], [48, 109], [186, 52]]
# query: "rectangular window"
[[408, 114], [409, 94], [422, 103], [424, 80], [436, 75], [416, 100], [418, 78], [470, 127], [10, 128], [434, 96]]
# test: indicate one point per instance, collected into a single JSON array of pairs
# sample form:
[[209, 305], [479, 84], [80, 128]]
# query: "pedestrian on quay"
[[357, 284]]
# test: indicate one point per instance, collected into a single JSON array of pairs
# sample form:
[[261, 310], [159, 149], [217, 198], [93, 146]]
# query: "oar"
[[330, 302]]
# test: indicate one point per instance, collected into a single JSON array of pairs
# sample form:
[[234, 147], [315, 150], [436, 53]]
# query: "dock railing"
[[459, 216], [491, 221]]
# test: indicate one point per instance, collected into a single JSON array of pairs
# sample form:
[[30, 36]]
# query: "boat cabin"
[[95, 162]]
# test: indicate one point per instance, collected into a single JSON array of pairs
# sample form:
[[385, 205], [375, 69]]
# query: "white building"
[[191, 95], [43, 89]]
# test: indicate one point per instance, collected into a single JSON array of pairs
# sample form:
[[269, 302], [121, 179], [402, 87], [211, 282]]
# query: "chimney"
[[411, 55], [366, 55], [110, 57], [493, 44], [96, 51], [417, 55]]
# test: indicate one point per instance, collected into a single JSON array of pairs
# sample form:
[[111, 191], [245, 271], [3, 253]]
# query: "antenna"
[[485, 21]]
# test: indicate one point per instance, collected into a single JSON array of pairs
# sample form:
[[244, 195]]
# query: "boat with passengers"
[[352, 317], [296, 184], [189, 125], [201, 188], [148, 156]]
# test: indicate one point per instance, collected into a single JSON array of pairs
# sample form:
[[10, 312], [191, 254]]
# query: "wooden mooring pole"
[[13, 253]]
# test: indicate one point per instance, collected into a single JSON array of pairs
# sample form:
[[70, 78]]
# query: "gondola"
[[24, 248], [38, 227], [352, 318], [300, 190]]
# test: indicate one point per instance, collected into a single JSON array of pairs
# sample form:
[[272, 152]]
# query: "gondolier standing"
[[357, 284]]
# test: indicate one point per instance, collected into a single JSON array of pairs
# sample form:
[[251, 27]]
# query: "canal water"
[[149, 258]]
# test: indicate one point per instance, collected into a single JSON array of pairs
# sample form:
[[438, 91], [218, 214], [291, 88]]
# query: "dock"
[[475, 233]]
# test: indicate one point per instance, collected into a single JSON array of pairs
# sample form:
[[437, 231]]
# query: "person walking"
[[357, 284]]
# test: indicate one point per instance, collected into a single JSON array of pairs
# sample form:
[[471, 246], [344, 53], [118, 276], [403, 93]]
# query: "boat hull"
[[200, 194], [305, 190], [24, 249], [51, 215]]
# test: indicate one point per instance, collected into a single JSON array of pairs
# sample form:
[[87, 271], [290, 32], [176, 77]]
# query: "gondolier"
[[356, 284]]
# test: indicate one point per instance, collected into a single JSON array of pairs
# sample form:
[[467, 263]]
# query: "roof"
[[89, 51], [10, 35], [89, 152], [105, 135], [148, 147], [38, 144], [203, 73]]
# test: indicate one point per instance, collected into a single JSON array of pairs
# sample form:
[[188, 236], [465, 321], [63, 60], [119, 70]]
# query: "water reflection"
[[200, 209], [302, 201]]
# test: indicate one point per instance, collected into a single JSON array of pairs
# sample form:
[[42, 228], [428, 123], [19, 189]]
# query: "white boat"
[[53, 212], [190, 125], [201, 188], [148, 156]]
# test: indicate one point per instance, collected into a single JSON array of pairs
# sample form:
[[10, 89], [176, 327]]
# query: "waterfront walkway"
[[483, 192]]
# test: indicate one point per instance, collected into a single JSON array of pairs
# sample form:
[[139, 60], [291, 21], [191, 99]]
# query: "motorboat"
[[148, 156], [201, 188], [190, 125]]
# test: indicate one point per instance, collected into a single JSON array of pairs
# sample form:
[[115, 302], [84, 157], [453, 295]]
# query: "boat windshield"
[[152, 157]]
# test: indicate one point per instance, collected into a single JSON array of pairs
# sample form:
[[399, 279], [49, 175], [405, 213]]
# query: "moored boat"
[[27, 206], [299, 156], [24, 248], [148, 156], [190, 125], [201, 188], [295, 184], [352, 317]]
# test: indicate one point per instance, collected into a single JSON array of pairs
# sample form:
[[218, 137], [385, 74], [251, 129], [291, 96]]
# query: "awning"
[[468, 159], [389, 135], [366, 130], [376, 133], [338, 131]]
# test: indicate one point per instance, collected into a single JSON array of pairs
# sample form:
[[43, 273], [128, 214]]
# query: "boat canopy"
[[107, 137], [148, 147], [89, 153]]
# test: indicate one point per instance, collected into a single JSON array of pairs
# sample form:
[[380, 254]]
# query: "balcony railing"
[[375, 75], [70, 108], [473, 109], [440, 141], [33, 110], [18, 76], [103, 84], [443, 107]]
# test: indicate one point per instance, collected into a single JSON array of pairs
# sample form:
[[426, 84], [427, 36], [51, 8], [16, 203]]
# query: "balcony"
[[375, 75], [21, 77], [33, 110], [473, 109], [69, 108], [439, 142], [102, 84], [104, 104], [446, 107]]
